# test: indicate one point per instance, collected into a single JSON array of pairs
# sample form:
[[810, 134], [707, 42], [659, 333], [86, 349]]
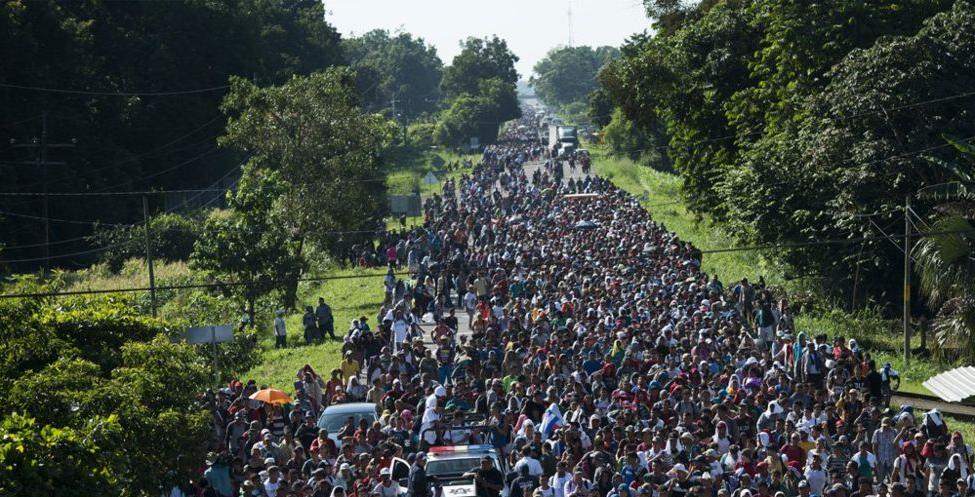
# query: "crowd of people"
[[596, 358]]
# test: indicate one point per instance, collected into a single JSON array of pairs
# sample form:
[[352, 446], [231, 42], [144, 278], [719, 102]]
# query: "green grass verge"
[[663, 201], [408, 167], [882, 337], [350, 298]]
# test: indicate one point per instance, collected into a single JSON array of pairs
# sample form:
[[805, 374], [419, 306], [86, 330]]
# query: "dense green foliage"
[[311, 145], [170, 235], [480, 86], [567, 75], [790, 122], [395, 72], [133, 142], [944, 258], [99, 399], [248, 245]]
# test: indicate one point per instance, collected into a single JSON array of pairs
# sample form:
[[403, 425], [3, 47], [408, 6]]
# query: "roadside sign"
[[430, 179], [210, 334]]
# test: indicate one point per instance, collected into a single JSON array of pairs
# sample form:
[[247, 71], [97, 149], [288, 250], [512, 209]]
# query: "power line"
[[58, 220], [108, 194], [167, 170], [185, 286], [833, 241], [115, 93]]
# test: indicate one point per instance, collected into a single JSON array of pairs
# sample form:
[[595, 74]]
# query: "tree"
[[325, 151], [568, 74], [133, 142], [171, 236], [944, 255], [99, 400], [480, 83], [600, 107], [480, 59], [38, 459], [396, 67], [624, 138], [248, 245], [467, 117]]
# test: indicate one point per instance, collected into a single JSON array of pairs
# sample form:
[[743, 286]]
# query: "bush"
[[172, 237], [419, 136]]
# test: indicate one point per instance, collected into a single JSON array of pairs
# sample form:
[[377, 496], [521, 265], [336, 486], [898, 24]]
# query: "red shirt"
[[794, 453]]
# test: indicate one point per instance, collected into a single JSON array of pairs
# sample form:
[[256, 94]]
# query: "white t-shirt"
[[392, 490], [534, 467], [271, 488], [558, 483], [430, 417], [400, 330]]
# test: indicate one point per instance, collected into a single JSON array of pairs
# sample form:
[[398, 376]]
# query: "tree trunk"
[[250, 311], [291, 285]]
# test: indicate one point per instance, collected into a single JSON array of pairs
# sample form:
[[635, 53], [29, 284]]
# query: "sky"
[[531, 27]]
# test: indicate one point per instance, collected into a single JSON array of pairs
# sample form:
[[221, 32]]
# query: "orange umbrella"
[[271, 396]]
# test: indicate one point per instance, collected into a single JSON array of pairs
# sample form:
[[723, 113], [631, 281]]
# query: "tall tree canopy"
[[480, 85], [568, 74], [789, 122], [133, 141], [479, 59], [311, 132], [396, 68]]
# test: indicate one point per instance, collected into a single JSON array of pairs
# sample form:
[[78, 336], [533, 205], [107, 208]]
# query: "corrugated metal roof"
[[954, 385]]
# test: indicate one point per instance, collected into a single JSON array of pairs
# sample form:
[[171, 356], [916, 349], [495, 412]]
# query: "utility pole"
[[152, 274], [907, 278], [397, 118], [570, 23], [42, 146]]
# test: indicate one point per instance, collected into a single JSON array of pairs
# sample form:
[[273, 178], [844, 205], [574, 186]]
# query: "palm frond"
[[954, 326], [944, 261], [946, 192]]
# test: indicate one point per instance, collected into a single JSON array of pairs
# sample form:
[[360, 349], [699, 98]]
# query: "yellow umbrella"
[[271, 396]]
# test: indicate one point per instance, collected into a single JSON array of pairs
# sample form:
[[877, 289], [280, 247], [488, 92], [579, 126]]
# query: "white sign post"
[[212, 335]]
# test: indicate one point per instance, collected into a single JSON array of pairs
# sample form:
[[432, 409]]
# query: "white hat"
[[440, 391], [345, 467]]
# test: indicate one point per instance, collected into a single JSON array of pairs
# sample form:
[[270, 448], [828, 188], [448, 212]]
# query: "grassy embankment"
[[882, 337], [354, 293], [409, 169]]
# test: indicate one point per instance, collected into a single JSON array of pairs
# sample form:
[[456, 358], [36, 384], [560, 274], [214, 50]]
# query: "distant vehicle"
[[448, 463], [562, 140], [334, 417]]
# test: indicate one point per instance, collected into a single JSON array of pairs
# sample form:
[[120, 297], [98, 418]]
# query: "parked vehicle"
[[335, 417]]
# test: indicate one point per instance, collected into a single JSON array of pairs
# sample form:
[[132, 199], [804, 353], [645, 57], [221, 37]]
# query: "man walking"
[[280, 331], [326, 322]]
